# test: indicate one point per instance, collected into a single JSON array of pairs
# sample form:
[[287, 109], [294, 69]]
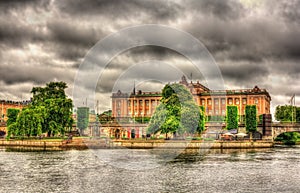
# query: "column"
[[144, 107], [206, 106], [114, 108], [260, 106], [264, 105], [125, 104], [138, 106], [240, 106], [213, 106], [220, 101], [132, 107], [150, 106]]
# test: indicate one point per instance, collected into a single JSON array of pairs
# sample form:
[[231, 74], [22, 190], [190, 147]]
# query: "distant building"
[[93, 123], [7, 104], [143, 104], [129, 107]]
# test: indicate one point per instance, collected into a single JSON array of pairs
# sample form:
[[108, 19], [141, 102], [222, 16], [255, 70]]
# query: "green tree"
[[287, 113], [288, 138], [57, 117], [11, 130], [251, 118], [157, 119], [49, 112], [12, 115], [82, 118], [30, 121], [177, 113], [232, 117]]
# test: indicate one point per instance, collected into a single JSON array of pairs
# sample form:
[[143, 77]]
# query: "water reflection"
[[247, 170]]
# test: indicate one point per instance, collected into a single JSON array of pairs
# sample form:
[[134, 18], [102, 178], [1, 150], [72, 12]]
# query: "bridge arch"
[[280, 128]]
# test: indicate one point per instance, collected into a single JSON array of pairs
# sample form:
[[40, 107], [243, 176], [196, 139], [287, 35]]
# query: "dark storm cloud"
[[66, 32], [224, 10], [120, 8], [9, 5], [289, 10], [37, 75], [253, 42], [228, 26], [14, 34], [244, 74]]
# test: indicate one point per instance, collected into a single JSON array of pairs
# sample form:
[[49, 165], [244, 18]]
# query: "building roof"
[[196, 88]]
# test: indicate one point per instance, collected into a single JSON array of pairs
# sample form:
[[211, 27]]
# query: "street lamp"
[[293, 103]]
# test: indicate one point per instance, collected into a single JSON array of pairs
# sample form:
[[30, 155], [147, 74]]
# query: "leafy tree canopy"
[[12, 115], [82, 118], [251, 118], [232, 117], [287, 113], [177, 113], [49, 112]]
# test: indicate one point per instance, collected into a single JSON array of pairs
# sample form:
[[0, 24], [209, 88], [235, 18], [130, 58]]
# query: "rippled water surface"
[[268, 170]]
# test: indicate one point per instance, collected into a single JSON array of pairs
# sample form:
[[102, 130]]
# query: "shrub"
[[251, 121], [232, 117]]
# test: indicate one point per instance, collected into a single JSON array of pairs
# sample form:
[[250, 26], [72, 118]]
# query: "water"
[[268, 170]]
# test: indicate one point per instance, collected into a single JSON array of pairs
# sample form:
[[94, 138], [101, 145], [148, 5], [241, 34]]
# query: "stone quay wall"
[[136, 144]]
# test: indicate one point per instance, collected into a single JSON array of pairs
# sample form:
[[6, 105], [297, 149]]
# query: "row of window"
[[223, 112], [135, 113], [229, 102], [209, 102], [153, 103]]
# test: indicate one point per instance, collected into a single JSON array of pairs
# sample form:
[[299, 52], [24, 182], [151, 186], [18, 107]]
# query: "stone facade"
[[4, 105], [143, 104]]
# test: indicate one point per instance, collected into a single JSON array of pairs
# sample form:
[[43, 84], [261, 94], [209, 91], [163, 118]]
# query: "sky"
[[252, 42]]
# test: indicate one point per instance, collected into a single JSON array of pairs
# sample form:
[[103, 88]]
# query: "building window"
[[153, 103], [135, 103], [203, 102], [230, 101], [255, 101], [223, 101], [209, 101], [223, 112], [244, 101], [119, 104], [119, 113], [217, 112], [209, 112], [129, 103], [147, 103], [237, 101], [216, 101]]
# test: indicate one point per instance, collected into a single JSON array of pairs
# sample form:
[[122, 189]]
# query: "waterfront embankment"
[[82, 143]]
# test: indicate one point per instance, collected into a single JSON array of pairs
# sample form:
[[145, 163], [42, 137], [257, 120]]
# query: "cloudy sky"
[[253, 42]]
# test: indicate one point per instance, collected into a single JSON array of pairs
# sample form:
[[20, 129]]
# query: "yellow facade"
[[143, 104], [4, 105]]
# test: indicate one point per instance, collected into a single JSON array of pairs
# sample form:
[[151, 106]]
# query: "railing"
[[29, 143]]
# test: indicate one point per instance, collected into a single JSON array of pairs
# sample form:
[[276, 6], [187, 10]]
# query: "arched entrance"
[[132, 133], [117, 134]]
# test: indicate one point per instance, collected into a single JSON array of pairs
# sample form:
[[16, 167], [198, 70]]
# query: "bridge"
[[268, 130], [279, 128]]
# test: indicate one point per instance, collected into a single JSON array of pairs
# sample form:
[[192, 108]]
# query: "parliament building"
[[129, 110], [143, 104]]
